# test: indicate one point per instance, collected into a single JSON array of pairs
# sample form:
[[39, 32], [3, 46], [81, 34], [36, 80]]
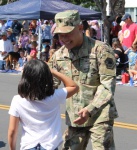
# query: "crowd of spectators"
[[22, 37], [124, 43]]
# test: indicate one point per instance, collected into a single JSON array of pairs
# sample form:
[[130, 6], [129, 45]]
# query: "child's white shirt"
[[40, 120]]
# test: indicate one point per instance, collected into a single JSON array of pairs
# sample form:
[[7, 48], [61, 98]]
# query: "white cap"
[[45, 21], [122, 23]]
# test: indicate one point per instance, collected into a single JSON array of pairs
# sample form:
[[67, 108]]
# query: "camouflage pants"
[[101, 137]]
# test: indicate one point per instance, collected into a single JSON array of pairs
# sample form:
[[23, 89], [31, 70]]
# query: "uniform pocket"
[[89, 70]]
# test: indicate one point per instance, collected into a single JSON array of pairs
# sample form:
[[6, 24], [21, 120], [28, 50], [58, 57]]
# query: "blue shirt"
[[8, 24], [21, 61], [46, 34], [12, 38], [132, 57]]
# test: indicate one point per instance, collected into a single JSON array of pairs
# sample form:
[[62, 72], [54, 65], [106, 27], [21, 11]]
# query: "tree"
[[3, 2], [84, 3], [116, 8]]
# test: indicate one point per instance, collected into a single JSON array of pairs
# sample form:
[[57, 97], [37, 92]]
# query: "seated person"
[[33, 38], [33, 52], [44, 56], [22, 60], [121, 58], [23, 39], [5, 47]]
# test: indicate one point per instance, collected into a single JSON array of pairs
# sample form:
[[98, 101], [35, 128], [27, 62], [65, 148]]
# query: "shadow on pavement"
[[2, 144]]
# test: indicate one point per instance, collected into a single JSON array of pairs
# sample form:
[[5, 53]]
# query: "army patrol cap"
[[66, 21]]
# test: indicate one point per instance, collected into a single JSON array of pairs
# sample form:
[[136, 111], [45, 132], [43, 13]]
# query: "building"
[[131, 8]]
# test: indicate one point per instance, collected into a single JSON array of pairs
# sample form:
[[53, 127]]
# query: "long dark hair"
[[36, 81], [85, 25]]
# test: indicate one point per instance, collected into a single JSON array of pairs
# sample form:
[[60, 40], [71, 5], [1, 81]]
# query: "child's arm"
[[136, 65], [70, 85], [12, 132], [127, 50]]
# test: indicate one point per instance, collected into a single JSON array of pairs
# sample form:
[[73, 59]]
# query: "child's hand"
[[52, 70]]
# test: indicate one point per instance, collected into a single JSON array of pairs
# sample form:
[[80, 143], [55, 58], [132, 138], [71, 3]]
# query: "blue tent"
[[42, 9]]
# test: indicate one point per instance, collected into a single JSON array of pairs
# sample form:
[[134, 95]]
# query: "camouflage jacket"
[[93, 69]]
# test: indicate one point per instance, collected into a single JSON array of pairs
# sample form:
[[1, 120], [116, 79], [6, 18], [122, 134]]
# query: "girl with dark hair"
[[121, 58], [93, 33], [86, 28], [37, 107]]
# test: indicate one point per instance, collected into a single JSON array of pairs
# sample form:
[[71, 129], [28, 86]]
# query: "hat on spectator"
[[66, 21], [93, 27], [3, 33], [126, 16], [46, 21], [122, 23], [91, 22], [94, 21], [9, 29]]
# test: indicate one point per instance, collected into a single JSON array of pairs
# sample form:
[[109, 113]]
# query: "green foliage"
[[3, 2], [84, 3]]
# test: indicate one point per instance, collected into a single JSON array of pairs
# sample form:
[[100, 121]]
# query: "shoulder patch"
[[109, 63]]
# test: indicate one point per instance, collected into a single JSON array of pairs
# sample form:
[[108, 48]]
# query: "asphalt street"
[[125, 129]]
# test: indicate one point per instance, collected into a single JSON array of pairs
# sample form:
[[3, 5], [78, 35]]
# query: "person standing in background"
[[94, 24], [8, 24], [2, 26], [5, 47], [11, 36], [16, 27], [129, 32], [86, 28], [120, 35], [25, 25], [46, 31]]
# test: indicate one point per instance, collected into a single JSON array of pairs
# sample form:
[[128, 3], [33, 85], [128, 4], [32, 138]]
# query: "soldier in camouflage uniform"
[[91, 64]]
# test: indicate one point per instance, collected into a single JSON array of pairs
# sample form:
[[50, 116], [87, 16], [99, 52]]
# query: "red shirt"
[[33, 53], [115, 29], [129, 34]]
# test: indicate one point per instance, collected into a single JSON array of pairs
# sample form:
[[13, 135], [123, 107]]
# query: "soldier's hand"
[[83, 116]]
